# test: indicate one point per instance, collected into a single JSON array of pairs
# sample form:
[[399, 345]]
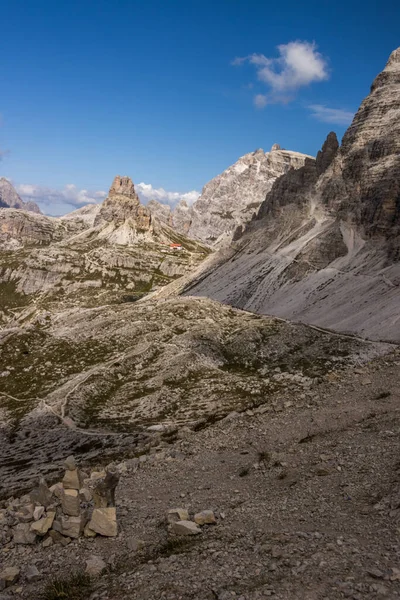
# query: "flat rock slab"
[[185, 528], [104, 521]]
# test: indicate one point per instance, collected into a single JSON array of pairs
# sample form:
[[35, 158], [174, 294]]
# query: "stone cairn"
[[78, 505]]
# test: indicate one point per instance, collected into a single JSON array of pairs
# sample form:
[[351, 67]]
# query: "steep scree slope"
[[324, 247]]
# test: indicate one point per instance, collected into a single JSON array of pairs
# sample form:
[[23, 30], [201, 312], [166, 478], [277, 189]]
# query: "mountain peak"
[[394, 59], [275, 147], [9, 198], [122, 186]]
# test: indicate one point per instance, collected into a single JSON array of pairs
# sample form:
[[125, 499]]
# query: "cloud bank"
[[298, 65], [331, 115], [57, 202], [70, 195], [146, 192]]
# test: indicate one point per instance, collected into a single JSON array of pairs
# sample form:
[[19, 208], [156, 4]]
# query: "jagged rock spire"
[[327, 153], [122, 186]]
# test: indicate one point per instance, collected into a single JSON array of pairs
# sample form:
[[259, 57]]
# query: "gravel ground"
[[307, 500]]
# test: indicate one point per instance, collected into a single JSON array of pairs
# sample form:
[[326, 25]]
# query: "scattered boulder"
[[177, 514], [95, 565], [185, 528], [104, 521], [205, 517], [9, 576]]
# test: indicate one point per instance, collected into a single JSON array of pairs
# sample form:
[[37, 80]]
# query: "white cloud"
[[53, 200], [331, 115], [260, 100], [298, 65], [146, 192]]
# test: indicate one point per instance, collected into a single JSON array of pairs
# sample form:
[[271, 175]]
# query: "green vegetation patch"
[[37, 363], [77, 587]]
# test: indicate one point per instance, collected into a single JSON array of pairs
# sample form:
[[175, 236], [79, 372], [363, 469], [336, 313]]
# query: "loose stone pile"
[[78, 505], [179, 522]]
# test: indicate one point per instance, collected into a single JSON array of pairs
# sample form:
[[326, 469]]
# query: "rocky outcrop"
[[122, 209], [324, 247], [10, 199], [182, 216], [161, 211], [20, 227], [179, 218]]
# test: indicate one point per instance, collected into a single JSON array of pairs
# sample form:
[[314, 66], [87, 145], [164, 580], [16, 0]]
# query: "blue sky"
[[172, 92]]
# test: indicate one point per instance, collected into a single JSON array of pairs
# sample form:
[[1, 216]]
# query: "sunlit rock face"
[[324, 247], [231, 199], [123, 207]]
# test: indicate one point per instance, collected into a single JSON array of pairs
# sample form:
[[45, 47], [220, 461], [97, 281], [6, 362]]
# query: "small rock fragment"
[[32, 573], [185, 528], [22, 534], [85, 494], [87, 532], [57, 490], [58, 538], [205, 517], [25, 514], [48, 542], [135, 545], [95, 565], [177, 514], [9, 576], [38, 513]]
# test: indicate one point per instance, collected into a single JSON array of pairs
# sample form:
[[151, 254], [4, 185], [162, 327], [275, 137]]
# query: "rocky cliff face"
[[230, 200], [10, 199], [367, 169], [324, 248]]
